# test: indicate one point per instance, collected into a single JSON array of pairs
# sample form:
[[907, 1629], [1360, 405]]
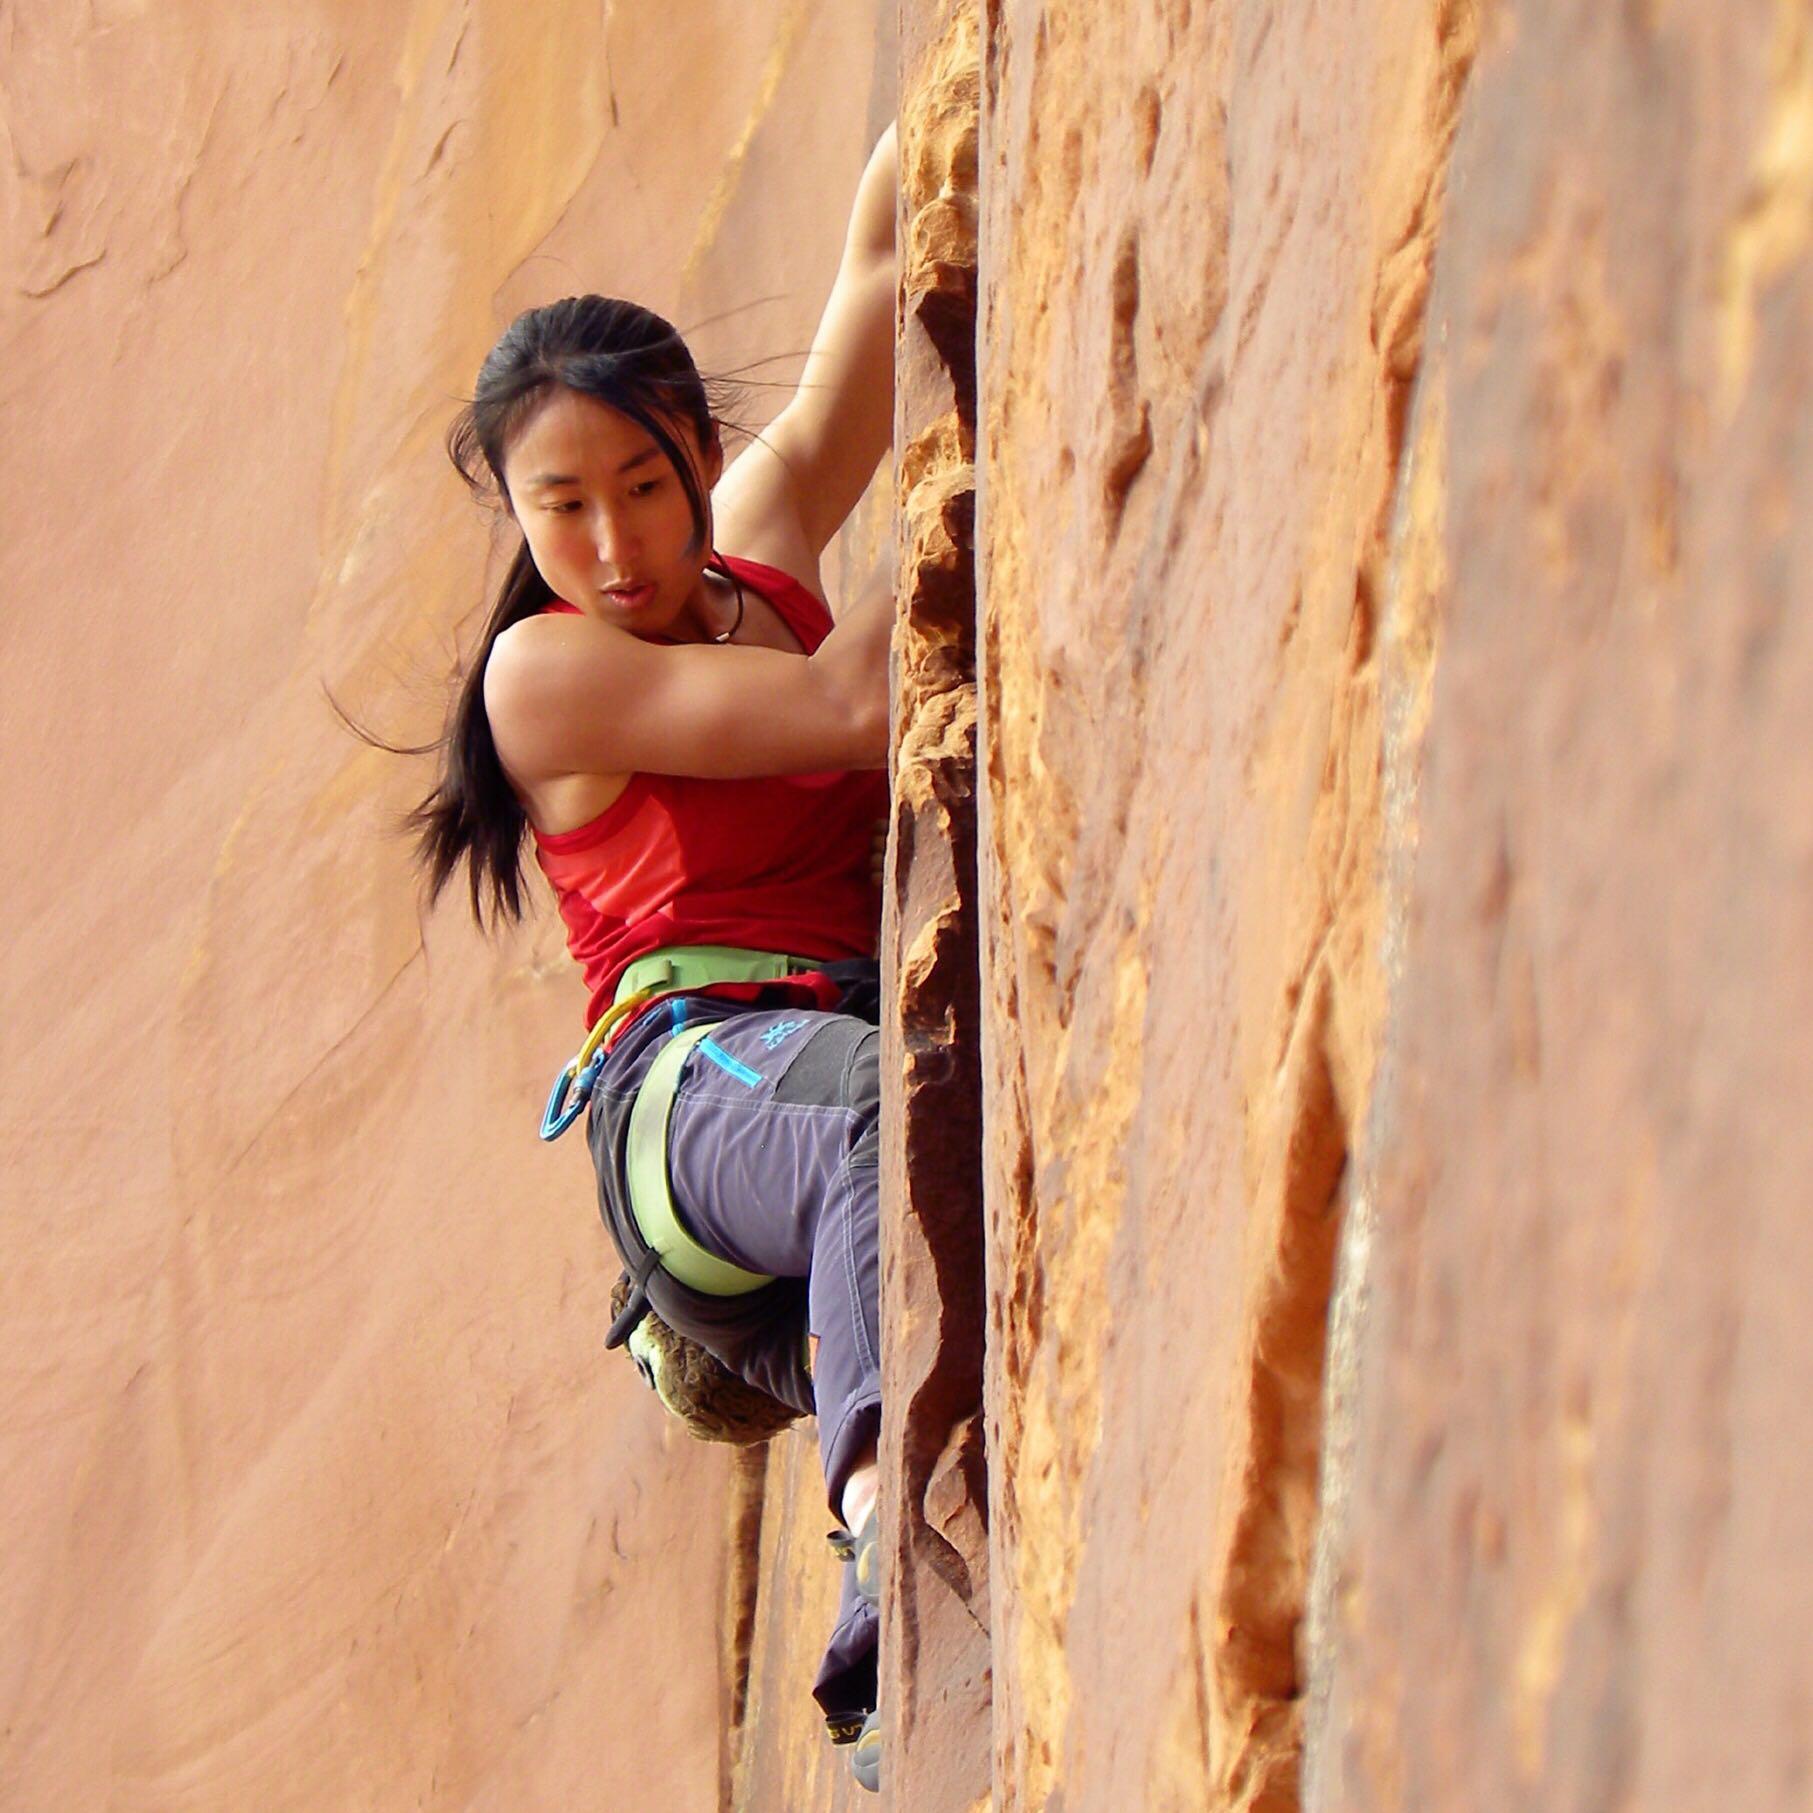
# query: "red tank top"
[[779, 863]]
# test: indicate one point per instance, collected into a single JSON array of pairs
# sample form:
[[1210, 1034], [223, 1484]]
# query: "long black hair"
[[629, 358]]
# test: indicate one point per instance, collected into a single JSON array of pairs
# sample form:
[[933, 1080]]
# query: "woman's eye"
[[643, 489], [566, 508]]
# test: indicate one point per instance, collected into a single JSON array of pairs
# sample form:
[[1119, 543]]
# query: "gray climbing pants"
[[773, 1153]]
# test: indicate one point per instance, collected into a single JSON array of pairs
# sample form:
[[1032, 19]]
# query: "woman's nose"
[[615, 543]]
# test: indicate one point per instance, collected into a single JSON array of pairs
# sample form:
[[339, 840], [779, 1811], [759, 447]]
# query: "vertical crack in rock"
[[1398, 579], [1255, 1734], [788, 33], [736, 1624], [1772, 226], [1400, 303], [1311, 1175], [935, 1648], [1130, 443], [1413, 600]]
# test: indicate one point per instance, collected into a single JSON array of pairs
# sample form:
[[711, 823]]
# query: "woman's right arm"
[[569, 695]]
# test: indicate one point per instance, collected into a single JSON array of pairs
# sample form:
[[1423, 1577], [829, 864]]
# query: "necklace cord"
[[735, 581]]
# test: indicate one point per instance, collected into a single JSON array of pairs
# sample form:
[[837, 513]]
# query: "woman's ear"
[[714, 459]]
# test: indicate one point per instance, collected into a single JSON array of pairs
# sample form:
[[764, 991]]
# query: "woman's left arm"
[[823, 447]]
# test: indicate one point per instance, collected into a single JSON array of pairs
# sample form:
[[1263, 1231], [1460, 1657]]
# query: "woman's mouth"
[[630, 597]]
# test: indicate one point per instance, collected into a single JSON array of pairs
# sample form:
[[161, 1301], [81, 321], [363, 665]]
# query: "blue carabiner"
[[561, 1112]]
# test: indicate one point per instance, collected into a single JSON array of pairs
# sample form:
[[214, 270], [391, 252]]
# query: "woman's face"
[[605, 514]]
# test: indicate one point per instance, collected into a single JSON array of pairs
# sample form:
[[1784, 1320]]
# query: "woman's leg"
[[861, 1489], [773, 1155]]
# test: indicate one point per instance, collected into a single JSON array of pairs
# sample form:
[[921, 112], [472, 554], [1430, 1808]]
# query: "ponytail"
[[473, 815]]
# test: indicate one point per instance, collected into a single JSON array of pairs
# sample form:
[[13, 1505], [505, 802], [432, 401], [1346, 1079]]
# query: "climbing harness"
[[651, 1197], [674, 970], [667, 1245]]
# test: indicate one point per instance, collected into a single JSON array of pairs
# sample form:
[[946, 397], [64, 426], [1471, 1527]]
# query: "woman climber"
[[663, 703]]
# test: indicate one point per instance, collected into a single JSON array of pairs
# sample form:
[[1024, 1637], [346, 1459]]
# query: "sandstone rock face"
[[1353, 838], [1568, 1565], [1200, 306], [319, 1491], [1394, 867], [935, 1650]]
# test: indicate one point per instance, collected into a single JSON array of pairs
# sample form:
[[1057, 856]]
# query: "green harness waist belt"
[[686, 966], [678, 968]]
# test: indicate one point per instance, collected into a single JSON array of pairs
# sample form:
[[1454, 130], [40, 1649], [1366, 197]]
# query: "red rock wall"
[[1202, 241], [319, 1491], [1394, 865], [935, 1660], [1392, 856], [1568, 1566]]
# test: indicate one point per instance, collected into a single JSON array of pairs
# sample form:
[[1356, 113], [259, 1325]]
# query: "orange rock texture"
[[1566, 1493], [1348, 944], [1395, 864], [935, 1635], [319, 1491]]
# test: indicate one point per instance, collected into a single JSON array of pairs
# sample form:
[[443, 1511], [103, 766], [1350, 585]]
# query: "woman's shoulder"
[[526, 644], [529, 673]]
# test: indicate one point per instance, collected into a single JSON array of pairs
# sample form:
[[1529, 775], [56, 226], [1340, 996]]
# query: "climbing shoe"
[[864, 1550], [847, 1683], [845, 1727], [865, 1755]]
